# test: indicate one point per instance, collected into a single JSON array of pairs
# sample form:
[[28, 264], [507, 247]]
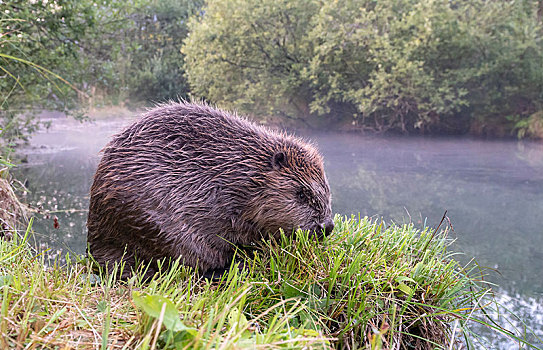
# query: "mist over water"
[[57, 169], [492, 191]]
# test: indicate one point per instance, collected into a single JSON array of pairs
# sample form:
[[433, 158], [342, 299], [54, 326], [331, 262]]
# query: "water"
[[492, 192], [57, 169]]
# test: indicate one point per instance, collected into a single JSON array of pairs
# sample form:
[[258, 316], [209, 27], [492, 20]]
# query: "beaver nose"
[[327, 227]]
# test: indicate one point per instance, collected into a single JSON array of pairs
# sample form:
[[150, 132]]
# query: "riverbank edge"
[[531, 130], [368, 285]]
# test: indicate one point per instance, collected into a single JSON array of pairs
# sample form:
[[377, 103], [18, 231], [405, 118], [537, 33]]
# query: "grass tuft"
[[367, 286]]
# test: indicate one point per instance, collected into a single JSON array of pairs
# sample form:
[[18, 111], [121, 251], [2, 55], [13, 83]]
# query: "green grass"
[[368, 286]]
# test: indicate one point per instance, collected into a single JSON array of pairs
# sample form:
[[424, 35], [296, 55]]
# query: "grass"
[[368, 286]]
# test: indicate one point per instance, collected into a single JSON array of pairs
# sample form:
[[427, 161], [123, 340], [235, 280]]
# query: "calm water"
[[492, 190]]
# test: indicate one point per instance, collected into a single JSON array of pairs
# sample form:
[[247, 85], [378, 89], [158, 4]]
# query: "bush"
[[409, 65], [250, 55]]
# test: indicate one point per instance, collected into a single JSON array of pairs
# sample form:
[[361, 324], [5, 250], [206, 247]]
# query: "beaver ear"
[[279, 160]]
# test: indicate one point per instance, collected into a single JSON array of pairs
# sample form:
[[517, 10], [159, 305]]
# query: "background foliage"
[[413, 66], [69, 54], [409, 65], [38, 44], [134, 55]]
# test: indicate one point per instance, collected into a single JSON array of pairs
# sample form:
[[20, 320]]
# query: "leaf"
[[237, 317], [101, 306], [417, 270], [405, 288], [5, 280], [179, 339], [152, 305], [290, 291], [400, 279]]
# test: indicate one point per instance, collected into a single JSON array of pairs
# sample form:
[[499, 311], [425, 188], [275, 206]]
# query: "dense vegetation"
[[70, 54], [409, 65], [417, 66], [367, 286]]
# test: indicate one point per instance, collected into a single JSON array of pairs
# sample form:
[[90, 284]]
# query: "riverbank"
[[368, 285]]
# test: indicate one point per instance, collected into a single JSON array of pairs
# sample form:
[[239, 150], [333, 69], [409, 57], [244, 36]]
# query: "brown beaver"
[[191, 181]]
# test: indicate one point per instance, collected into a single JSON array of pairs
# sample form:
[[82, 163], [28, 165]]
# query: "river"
[[492, 192]]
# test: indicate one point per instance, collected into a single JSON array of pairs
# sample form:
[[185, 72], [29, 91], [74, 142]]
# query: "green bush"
[[251, 55], [409, 65], [157, 66]]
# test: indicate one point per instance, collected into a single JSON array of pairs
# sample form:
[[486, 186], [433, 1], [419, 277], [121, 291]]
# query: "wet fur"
[[191, 181]]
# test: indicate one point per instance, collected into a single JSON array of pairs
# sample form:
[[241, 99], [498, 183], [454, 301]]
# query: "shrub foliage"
[[409, 65]]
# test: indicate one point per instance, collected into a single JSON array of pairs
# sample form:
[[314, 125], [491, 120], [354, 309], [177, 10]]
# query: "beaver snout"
[[323, 229], [327, 226]]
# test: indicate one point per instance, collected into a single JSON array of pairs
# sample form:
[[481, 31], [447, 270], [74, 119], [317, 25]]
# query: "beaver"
[[191, 181]]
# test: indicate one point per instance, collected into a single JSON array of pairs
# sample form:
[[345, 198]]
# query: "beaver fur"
[[191, 181]]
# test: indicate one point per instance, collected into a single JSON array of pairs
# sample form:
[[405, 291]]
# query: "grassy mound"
[[366, 286]]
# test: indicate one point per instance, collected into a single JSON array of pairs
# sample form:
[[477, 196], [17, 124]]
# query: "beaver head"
[[295, 192]]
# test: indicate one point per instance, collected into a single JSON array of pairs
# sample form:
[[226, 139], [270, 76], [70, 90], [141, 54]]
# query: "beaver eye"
[[301, 195]]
